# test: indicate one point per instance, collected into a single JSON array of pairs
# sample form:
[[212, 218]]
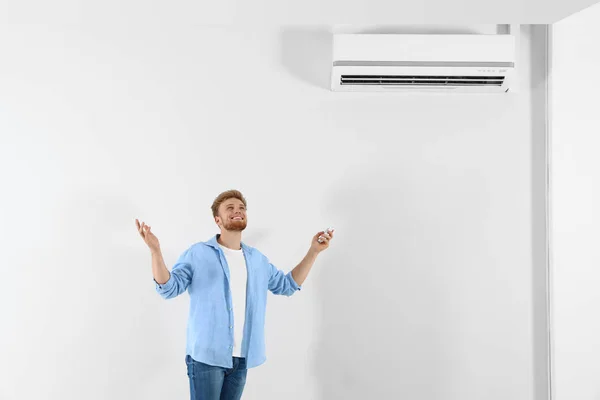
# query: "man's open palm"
[[146, 234]]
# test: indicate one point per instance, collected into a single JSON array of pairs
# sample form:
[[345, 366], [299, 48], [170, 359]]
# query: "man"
[[227, 281]]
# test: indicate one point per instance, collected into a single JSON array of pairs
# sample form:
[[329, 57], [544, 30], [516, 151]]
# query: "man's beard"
[[234, 226]]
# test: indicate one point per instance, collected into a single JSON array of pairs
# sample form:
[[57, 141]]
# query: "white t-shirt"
[[238, 276]]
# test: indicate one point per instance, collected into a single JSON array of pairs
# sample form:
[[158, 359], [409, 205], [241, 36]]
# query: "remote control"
[[330, 229]]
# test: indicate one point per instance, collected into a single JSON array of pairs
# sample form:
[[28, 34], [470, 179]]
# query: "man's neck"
[[231, 240]]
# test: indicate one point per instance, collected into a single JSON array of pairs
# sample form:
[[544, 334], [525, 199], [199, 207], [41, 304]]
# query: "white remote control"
[[330, 229]]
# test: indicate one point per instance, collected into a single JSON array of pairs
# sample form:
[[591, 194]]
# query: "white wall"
[[433, 288], [306, 12], [575, 196]]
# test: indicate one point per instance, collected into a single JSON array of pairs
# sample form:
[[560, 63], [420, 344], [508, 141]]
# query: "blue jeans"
[[208, 382]]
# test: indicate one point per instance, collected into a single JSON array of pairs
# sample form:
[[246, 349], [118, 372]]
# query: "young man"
[[228, 283]]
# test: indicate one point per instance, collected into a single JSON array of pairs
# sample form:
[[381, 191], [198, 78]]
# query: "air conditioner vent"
[[421, 80]]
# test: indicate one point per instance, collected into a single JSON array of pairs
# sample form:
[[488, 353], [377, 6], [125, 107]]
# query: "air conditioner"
[[467, 63]]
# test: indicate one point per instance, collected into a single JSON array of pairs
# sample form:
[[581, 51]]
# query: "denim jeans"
[[208, 382]]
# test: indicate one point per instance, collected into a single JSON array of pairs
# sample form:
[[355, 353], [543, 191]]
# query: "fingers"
[[143, 229], [323, 237], [140, 227]]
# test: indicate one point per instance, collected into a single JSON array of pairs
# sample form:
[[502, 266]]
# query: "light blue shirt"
[[203, 271]]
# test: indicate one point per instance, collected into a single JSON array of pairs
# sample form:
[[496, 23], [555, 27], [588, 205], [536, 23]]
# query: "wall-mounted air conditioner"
[[470, 63]]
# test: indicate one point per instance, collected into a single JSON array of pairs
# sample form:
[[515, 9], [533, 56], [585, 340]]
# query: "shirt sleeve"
[[180, 277], [282, 283]]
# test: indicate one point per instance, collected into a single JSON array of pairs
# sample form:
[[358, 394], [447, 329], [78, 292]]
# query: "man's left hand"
[[325, 239]]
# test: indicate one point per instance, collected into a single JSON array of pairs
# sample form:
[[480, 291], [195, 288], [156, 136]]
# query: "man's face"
[[232, 215]]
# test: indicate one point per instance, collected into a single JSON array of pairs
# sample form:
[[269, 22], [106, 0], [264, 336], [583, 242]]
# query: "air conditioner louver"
[[411, 80]]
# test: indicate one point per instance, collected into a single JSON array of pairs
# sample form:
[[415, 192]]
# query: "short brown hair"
[[229, 194]]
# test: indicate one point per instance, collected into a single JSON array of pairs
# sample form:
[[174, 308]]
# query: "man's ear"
[[218, 221]]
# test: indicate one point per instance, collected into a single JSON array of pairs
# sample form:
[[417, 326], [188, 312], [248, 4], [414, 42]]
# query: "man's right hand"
[[149, 237]]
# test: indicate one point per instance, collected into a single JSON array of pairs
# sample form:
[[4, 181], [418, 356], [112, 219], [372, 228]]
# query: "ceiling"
[[278, 12]]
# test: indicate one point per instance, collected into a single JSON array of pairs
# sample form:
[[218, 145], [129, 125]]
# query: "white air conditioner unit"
[[469, 63]]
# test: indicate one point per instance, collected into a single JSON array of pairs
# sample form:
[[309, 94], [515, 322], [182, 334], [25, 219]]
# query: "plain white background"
[[265, 12], [575, 195], [434, 287]]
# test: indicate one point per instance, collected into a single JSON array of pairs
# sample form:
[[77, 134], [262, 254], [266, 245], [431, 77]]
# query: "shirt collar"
[[215, 244]]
